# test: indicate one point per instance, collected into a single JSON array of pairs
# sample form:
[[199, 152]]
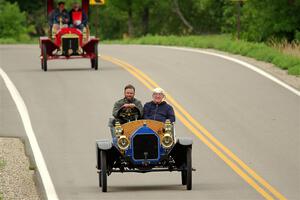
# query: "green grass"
[[2, 164], [32, 40], [32, 167], [258, 51], [1, 196]]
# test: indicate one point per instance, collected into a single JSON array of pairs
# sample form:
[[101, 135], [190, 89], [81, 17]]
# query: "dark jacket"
[[56, 14], [160, 112], [123, 101]]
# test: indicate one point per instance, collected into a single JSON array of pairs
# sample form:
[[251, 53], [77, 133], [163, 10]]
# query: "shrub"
[[12, 21], [297, 36], [259, 51], [294, 70]]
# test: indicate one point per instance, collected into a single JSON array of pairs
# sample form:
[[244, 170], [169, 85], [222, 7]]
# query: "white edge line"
[[39, 159], [245, 64]]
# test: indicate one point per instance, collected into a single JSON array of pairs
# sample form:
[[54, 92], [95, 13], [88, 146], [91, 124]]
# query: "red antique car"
[[68, 42]]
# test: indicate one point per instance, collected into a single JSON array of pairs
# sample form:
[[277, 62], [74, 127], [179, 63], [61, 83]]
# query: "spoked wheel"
[[103, 173], [94, 61], [44, 60]]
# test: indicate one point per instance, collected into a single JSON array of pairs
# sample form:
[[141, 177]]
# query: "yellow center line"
[[206, 133], [150, 84]]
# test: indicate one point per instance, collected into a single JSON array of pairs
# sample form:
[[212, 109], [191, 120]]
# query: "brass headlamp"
[[167, 139], [123, 142], [118, 129]]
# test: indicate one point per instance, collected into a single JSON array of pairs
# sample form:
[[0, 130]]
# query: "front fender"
[[179, 151], [104, 144], [185, 141], [112, 152]]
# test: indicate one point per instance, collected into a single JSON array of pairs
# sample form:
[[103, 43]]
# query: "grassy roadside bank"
[[29, 40], [258, 51]]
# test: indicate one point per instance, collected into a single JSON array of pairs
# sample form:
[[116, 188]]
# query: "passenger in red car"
[[78, 17]]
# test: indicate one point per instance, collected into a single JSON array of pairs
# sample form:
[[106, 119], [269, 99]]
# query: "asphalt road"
[[69, 107]]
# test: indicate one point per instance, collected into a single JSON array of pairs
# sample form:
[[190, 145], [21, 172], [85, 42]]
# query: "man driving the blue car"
[[129, 102], [158, 109]]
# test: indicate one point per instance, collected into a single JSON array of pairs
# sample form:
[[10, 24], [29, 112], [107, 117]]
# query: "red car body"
[[68, 42]]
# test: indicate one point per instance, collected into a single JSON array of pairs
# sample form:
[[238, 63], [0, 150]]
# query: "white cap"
[[159, 91]]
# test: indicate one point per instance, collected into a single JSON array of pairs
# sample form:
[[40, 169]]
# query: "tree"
[[177, 11], [128, 7], [12, 21], [35, 12], [268, 18]]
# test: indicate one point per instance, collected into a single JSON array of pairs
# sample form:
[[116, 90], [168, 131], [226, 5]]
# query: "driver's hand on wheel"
[[128, 105]]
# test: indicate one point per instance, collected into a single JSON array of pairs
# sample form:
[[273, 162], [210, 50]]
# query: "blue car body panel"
[[129, 153]]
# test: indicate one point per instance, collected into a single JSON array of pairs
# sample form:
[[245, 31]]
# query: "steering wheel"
[[125, 115]]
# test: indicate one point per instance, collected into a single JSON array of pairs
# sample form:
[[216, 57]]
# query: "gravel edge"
[[16, 173]]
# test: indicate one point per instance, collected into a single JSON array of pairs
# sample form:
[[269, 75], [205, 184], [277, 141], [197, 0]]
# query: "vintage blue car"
[[144, 146]]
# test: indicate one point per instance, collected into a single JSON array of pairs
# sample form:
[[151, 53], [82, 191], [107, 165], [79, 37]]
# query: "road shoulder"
[[293, 81]]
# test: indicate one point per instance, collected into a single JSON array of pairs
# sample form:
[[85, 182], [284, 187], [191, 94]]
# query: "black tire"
[[44, 60], [94, 61], [183, 177], [42, 64], [100, 184], [42, 55], [103, 172], [189, 168]]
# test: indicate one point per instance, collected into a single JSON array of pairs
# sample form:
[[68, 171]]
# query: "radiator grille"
[[70, 43], [145, 144]]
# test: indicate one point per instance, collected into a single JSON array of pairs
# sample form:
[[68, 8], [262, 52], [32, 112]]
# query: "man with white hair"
[[158, 109]]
